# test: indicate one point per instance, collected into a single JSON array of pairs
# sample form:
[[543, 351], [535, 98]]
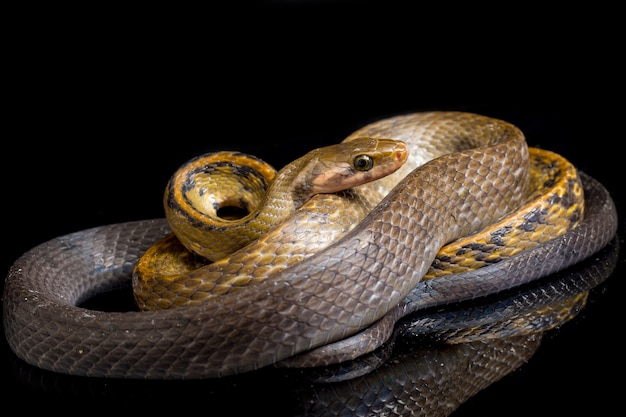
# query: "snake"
[[475, 173]]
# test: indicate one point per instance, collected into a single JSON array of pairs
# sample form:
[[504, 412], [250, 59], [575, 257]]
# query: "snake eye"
[[363, 162]]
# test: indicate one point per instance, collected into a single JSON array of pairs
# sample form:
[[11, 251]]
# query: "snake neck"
[[290, 189]]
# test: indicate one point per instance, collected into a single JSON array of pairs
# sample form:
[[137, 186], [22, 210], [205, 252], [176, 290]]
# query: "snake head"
[[359, 161]]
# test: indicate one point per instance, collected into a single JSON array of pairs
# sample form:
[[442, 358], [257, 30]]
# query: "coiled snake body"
[[344, 288]]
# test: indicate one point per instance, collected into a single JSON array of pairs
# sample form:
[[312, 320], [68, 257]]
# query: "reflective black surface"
[[102, 114]]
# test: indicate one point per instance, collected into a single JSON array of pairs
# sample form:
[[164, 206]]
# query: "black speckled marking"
[[171, 201], [549, 182], [440, 260], [532, 220], [477, 249], [555, 199], [576, 216], [569, 198], [498, 235], [484, 256]]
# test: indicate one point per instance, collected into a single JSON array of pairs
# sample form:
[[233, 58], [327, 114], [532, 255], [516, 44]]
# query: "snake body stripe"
[[327, 297]]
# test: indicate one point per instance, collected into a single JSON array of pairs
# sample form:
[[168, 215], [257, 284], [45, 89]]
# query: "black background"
[[104, 105]]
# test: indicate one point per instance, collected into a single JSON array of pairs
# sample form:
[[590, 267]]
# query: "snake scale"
[[361, 278]]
